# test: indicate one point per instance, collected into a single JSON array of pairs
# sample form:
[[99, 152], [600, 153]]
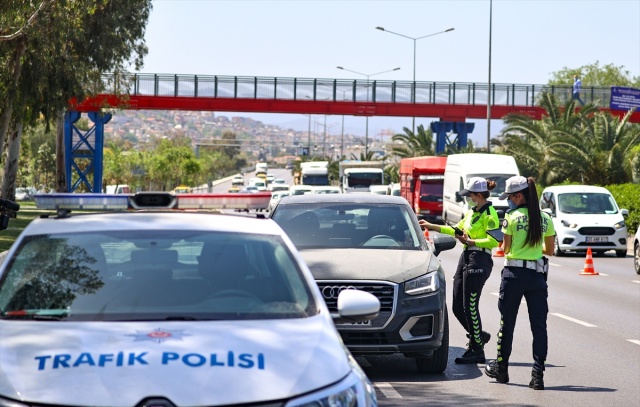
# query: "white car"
[[636, 251], [326, 189], [585, 216], [169, 308], [237, 180], [275, 198], [279, 181], [270, 178]]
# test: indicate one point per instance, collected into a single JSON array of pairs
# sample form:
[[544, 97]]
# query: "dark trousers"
[[518, 282], [474, 268], [576, 96]]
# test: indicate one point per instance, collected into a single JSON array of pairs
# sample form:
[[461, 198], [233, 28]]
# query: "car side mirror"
[[443, 242], [459, 197], [624, 212], [549, 211]]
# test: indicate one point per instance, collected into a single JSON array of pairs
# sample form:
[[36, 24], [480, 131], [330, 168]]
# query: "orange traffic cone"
[[426, 235], [589, 270], [499, 252]]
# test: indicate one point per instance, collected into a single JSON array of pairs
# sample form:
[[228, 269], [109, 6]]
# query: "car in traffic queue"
[[182, 189], [585, 216], [373, 243], [234, 189], [270, 178], [275, 198], [152, 302], [237, 180], [636, 251]]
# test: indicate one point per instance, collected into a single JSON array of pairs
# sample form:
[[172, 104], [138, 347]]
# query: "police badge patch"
[[504, 223]]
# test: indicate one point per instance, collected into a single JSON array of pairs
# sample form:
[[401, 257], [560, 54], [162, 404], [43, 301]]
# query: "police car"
[[139, 305]]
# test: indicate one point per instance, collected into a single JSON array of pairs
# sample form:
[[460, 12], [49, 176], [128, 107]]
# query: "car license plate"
[[597, 239], [366, 323]]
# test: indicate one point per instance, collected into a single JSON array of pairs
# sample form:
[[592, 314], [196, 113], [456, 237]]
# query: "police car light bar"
[[151, 200]]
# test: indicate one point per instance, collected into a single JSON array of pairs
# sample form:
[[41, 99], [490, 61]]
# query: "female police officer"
[[475, 264], [525, 229]]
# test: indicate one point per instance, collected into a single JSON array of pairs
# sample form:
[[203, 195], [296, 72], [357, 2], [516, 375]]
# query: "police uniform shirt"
[[516, 224], [476, 222]]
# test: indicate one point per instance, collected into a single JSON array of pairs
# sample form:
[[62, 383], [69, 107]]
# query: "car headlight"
[[619, 225], [422, 285], [355, 390], [568, 224]]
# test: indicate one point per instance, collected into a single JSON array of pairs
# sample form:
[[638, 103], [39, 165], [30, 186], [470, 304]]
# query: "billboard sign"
[[624, 98]]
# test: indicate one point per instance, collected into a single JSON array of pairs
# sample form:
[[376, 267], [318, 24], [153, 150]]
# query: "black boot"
[[536, 382], [473, 354], [498, 371], [484, 335]]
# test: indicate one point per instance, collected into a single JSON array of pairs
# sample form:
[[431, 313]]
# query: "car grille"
[[596, 231], [384, 292], [364, 338]]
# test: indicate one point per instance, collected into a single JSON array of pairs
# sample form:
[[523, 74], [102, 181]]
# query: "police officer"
[[475, 264], [528, 234]]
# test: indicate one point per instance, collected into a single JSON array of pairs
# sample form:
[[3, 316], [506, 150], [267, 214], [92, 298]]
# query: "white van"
[[585, 216], [259, 183], [461, 167]]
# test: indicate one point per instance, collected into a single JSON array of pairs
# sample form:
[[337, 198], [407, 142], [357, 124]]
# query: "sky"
[[308, 39]]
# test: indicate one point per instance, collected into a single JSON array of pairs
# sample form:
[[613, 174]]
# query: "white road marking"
[[577, 321], [555, 264], [637, 342], [635, 281], [388, 390]]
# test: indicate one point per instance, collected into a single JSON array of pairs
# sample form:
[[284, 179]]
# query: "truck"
[[358, 176], [314, 173], [422, 184], [261, 168]]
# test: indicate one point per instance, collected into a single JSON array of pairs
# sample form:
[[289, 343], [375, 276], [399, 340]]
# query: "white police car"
[[169, 308]]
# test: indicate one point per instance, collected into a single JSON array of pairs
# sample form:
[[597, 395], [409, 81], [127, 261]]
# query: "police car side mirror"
[[356, 306], [549, 211], [459, 197]]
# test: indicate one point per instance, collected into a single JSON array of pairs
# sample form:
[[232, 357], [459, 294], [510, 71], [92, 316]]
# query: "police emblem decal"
[[159, 335], [504, 223]]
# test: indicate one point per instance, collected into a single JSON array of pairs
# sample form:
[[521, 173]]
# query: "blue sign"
[[624, 98]]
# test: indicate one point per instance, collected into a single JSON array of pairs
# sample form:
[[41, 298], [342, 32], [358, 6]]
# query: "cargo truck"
[[358, 176], [314, 173], [422, 183]]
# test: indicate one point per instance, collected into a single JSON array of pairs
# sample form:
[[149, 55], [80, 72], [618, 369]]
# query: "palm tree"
[[414, 145]]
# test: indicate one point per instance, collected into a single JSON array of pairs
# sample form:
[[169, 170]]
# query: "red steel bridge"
[[451, 102]]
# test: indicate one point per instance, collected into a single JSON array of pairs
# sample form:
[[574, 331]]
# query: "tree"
[[59, 53], [596, 75], [414, 144]]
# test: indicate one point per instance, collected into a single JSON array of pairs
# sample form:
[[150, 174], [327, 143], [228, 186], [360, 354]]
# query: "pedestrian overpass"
[[451, 102]]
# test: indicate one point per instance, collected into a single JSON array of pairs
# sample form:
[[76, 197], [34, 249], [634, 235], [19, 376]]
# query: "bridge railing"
[[348, 90]]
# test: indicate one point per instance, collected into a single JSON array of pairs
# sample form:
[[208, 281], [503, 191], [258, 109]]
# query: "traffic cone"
[[589, 270], [499, 252], [426, 235]]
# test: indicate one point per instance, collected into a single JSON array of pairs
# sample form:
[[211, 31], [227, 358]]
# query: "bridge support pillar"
[[442, 130], [83, 151]]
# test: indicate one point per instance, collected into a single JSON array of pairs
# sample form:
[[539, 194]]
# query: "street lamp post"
[[366, 131], [415, 39]]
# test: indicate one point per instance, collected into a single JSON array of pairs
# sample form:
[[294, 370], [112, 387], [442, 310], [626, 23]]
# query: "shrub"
[[628, 196]]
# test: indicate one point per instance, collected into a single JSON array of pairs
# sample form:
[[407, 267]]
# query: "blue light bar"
[[90, 202]]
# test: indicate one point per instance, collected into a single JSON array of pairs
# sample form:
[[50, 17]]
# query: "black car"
[[374, 243]]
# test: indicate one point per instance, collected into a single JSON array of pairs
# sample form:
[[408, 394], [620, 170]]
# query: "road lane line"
[[388, 390], [635, 281], [637, 342], [577, 321], [555, 264]]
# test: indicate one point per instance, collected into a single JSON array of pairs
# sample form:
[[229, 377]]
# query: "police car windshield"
[[153, 275]]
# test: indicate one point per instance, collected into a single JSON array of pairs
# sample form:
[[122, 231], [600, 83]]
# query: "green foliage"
[[627, 196], [414, 144], [596, 75]]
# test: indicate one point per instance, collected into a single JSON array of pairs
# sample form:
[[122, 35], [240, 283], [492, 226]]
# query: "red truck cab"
[[421, 183]]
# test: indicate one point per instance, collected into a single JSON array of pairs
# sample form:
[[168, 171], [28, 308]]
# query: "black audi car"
[[374, 243]]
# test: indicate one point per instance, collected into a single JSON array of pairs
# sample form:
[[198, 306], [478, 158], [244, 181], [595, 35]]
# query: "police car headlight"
[[355, 390], [619, 225], [10, 403], [422, 285]]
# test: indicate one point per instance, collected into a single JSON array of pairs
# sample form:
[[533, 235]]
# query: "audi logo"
[[331, 292]]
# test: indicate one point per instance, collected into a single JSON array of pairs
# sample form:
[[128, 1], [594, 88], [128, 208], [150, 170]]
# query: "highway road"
[[594, 343]]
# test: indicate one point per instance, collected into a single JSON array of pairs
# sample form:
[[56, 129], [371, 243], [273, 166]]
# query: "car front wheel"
[[621, 253], [438, 362], [556, 248], [636, 255]]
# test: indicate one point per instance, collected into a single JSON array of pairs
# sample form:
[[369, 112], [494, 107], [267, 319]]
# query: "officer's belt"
[[480, 249], [528, 264]]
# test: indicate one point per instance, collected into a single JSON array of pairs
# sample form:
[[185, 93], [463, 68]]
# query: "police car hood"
[[189, 363], [396, 266]]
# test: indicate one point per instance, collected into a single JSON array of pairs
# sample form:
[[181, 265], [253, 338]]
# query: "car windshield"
[[348, 225], [587, 203], [154, 275]]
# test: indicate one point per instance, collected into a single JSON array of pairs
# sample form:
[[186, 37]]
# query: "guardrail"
[[341, 90]]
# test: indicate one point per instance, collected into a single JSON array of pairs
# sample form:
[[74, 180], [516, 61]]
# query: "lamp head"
[[380, 28]]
